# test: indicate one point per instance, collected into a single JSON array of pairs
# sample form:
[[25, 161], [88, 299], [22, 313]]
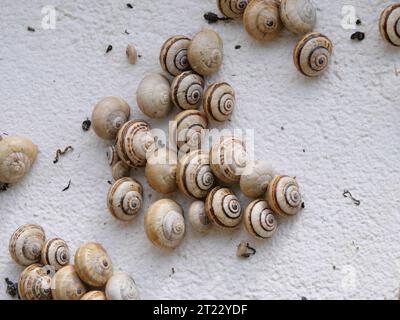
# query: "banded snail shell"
[[112, 155], [120, 170], [223, 208], [26, 244], [121, 286], [312, 54], [194, 176], [93, 264], [261, 19], [34, 283], [283, 196], [298, 16], [190, 129], [94, 295], [173, 55], [259, 220], [219, 101], [164, 224], [131, 53], [55, 253], [255, 179], [232, 8], [389, 24], [66, 285], [198, 217], [187, 90], [125, 199]]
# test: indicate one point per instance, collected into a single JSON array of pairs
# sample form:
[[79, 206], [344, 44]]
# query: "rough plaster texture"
[[346, 122]]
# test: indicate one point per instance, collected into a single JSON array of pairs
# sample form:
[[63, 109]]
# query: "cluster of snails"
[[48, 273]]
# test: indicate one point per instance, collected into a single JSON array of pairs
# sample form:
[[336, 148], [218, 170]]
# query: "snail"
[[131, 54], [66, 285], [389, 24], [17, 154], [283, 196], [219, 101], [255, 179], [124, 199], [198, 217], [312, 54], [187, 90], [261, 19], [223, 208], [112, 155], [94, 295], [134, 143], [108, 116], [232, 8], [189, 130], [26, 244], [34, 283], [173, 55], [121, 286], [120, 170], [259, 220], [298, 16], [93, 265], [193, 174], [160, 170], [205, 52], [153, 96], [164, 224], [55, 253], [228, 158]]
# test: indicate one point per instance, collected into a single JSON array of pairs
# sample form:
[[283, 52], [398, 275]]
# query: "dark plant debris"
[[304, 150], [244, 250], [282, 128], [12, 288], [67, 187], [139, 56], [86, 124], [238, 46], [358, 22], [109, 48], [130, 6], [60, 153], [3, 186], [109, 182], [347, 194], [360, 36], [212, 17], [126, 31], [303, 205], [30, 29]]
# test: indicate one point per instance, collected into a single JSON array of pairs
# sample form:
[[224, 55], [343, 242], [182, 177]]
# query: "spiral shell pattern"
[[34, 283], [389, 24], [173, 55], [121, 286], [298, 16], [219, 101], [187, 90], [66, 285], [259, 220], [189, 130], [232, 8], [55, 253], [94, 295]]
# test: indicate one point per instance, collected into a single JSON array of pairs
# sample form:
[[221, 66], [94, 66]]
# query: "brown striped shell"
[[120, 170], [187, 90], [112, 155], [198, 217], [173, 55], [389, 24], [66, 285], [34, 283], [94, 295], [298, 16], [190, 130], [232, 8], [55, 253], [219, 101], [259, 220], [122, 286], [255, 179]]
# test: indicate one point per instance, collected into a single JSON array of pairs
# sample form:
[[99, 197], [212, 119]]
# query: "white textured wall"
[[346, 121]]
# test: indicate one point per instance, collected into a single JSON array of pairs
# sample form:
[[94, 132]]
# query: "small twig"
[[211, 17], [347, 194], [86, 124], [67, 187], [60, 153], [12, 288], [109, 48], [130, 6]]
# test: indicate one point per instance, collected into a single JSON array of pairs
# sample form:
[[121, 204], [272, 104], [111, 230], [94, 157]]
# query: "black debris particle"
[[347, 194], [238, 46], [282, 128], [334, 267], [67, 187], [109, 48], [60, 153], [304, 298], [303, 206], [4, 186], [12, 288], [150, 195], [212, 17], [126, 31], [86, 124], [109, 182], [358, 36], [358, 22], [130, 6], [139, 56], [30, 29], [304, 150]]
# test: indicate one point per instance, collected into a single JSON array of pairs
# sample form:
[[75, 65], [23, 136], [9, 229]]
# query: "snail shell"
[[206, 52], [261, 19], [259, 220], [283, 196], [112, 155], [120, 170], [124, 199], [108, 116], [223, 208], [298, 16], [193, 175], [121, 286], [255, 179], [198, 217], [228, 159], [187, 90], [190, 126], [93, 264], [312, 54], [219, 101], [160, 170], [66, 285], [232, 8], [55, 253], [94, 295], [17, 155], [389, 24], [34, 283], [173, 55], [164, 224], [131, 53], [134, 143], [26, 244], [153, 96]]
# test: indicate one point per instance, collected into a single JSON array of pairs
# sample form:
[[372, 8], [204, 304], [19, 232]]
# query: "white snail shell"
[[153, 96], [55, 253], [312, 54], [187, 90], [93, 265], [17, 155], [34, 283], [261, 19], [173, 55], [108, 116], [283, 196], [228, 158], [232, 8], [190, 126], [298, 16], [255, 179], [131, 53], [193, 175], [259, 220], [26, 244], [112, 155], [66, 285], [198, 217], [135, 143], [219, 101], [389, 24], [94, 295], [206, 52], [120, 170], [223, 208], [121, 286], [164, 224]]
